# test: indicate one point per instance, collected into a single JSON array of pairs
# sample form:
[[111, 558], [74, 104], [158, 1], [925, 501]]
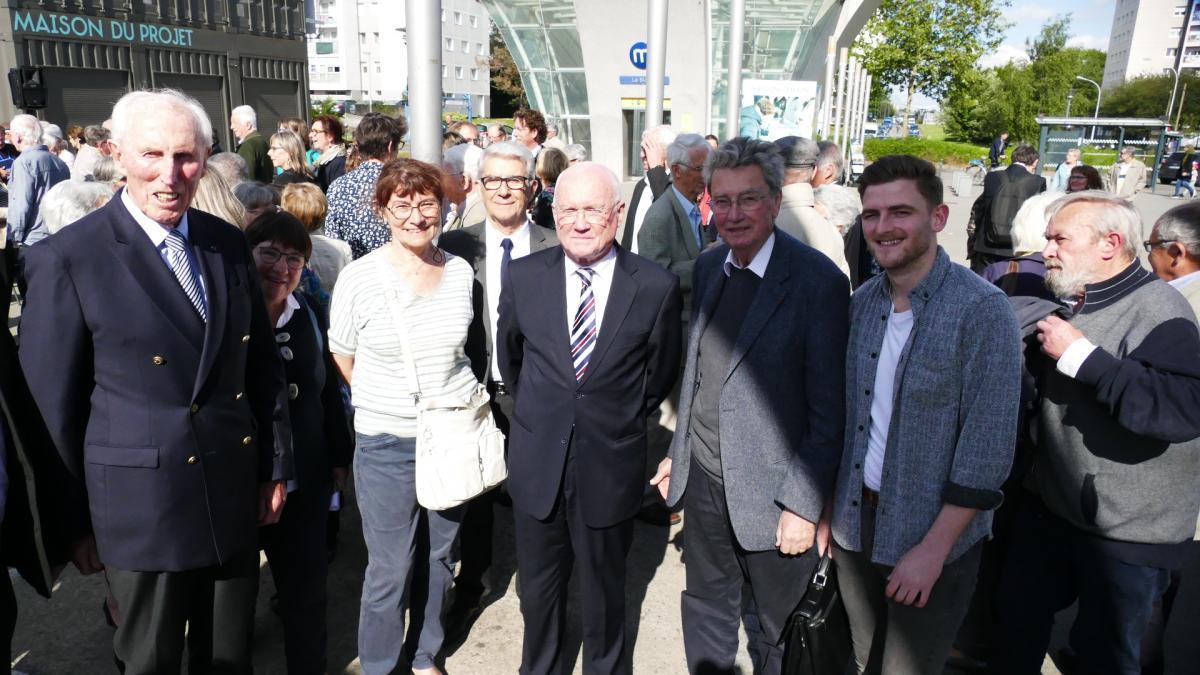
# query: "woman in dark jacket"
[[287, 154], [322, 445]]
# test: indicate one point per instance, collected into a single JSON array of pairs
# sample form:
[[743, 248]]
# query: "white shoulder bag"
[[460, 451]]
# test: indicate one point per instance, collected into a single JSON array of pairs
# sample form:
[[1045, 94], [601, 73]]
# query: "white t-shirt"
[[899, 327]]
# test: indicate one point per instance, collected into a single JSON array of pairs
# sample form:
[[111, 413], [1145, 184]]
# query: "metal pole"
[[656, 61], [843, 54], [1179, 111], [866, 107], [733, 92], [851, 102], [1096, 114], [1171, 103], [425, 79], [830, 61]]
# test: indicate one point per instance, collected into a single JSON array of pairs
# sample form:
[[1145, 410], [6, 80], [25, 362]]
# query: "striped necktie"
[[583, 329], [182, 267]]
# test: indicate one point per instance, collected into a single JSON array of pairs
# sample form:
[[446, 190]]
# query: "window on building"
[[466, 47], [458, 72], [458, 18], [443, 16], [474, 21], [312, 68], [475, 74], [337, 69], [1172, 51], [445, 71], [1180, 11], [449, 44], [479, 49]]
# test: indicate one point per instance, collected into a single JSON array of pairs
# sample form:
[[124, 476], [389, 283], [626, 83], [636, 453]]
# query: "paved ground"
[[68, 634]]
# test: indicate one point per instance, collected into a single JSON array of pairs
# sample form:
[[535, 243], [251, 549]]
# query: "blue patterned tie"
[[583, 329], [695, 217], [182, 267]]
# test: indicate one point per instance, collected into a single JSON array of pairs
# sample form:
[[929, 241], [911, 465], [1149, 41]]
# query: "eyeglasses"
[[746, 203], [513, 182], [591, 214], [270, 256], [1150, 244], [278, 147], [429, 209]]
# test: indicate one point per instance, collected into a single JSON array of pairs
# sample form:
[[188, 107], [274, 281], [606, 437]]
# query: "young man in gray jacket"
[[932, 389]]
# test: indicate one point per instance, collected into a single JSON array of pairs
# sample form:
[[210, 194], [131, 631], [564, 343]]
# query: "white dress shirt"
[[601, 283], [1180, 283], [758, 264], [158, 237], [495, 254]]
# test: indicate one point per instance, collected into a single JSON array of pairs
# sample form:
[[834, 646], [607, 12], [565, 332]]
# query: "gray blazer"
[[666, 238], [782, 404], [470, 244]]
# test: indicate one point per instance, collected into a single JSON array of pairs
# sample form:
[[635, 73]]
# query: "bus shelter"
[[1100, 140]]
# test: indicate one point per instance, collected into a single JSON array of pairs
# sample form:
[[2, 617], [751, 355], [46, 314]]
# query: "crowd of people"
[[211, 343]]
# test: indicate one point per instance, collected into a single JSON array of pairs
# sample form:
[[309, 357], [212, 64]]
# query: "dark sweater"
[[321, 438], [254, 150], [716, 349]]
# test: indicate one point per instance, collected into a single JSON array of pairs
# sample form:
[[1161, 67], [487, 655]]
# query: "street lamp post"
[[1096, 114], [1171, 103]]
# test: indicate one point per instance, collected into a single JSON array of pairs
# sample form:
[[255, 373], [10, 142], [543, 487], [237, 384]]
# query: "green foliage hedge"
[[954, 154]]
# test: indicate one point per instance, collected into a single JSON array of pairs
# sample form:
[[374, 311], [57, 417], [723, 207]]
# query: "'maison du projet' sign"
[[96, 28]]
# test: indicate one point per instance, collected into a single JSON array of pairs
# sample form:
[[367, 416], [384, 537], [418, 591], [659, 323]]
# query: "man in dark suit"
[[759, 437], [589, 342], [655, 178], [507, 179], [148, 349], [996, 151], [990, 234]]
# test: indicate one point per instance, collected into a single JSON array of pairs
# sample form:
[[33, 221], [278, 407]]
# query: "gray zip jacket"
[[954, 411]]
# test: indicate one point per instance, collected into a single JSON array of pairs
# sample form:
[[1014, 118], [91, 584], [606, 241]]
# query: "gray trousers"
[[899, 639], [384, 479]]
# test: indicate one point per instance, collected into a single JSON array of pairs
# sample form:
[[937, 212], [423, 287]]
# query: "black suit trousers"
[[546, 551], [296, 551], [215, 603], [717, 569]]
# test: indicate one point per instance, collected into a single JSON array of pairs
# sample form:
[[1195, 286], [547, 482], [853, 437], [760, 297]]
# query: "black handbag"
[[817, 635]]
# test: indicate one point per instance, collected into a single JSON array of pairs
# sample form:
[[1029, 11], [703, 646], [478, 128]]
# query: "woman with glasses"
[[287, 154], [321, 442], [1084, 177], [407, 306]]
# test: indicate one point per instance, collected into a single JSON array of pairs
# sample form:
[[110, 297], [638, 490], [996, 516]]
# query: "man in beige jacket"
[[1127, 177], [797, 214]]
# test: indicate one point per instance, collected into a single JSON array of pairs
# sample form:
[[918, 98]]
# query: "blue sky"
[[1091, 22]]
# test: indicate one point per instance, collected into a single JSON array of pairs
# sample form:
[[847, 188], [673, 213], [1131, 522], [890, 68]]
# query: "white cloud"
[[1003, 54], [1029, 13], [1088, 42]]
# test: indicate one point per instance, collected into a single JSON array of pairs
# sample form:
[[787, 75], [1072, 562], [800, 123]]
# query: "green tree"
[[927, 46], [881, 102], [1051, 39], [964, 108], [325, 107], [1148, 97], [507, 90]]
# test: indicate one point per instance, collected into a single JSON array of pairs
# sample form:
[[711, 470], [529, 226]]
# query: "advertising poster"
[[773, 109]]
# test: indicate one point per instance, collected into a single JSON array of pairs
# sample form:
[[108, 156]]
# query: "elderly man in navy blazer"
[[147, 347], [589, 341], [759, 434]]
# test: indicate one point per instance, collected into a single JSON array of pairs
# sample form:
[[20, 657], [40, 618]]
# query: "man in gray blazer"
[[673, 233], [507, 179], [1127, 177], [756, 448]]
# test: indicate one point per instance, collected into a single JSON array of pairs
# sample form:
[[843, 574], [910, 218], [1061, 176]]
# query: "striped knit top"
[[362, 325]]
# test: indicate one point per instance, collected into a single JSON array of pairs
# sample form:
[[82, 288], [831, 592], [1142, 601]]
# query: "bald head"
[[587, 210], [593, 177]]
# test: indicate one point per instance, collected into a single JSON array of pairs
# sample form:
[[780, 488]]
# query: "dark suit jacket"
[[164, 421], [602, 419], [667, 238], [783, 401], [33, 539], [994, 209], [470, 244], [254, 151]]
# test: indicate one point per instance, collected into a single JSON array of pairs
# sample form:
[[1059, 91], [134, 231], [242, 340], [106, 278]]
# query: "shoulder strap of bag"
[[312, 318], [392, 298]]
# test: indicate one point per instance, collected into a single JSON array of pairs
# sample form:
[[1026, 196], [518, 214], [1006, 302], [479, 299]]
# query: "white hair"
[[1113, 214], [1029, 225], [663, 132], [246, 114], [231, 166], [472, 160], [551, 127], [27, 128], [842, 204], [143, 102], [680, 149], [510, 150], [453, 160], [70, 200], [576, 152]]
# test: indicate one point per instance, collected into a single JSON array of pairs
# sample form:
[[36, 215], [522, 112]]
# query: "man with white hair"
[[552, 139], [655, 176], [34, 172], [71, 200], [462, 186], [150, 354], [829, 164], [1116, 476], [250, 144]]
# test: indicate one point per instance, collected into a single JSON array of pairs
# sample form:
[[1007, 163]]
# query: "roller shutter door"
[[272, 101], [206, 90], [82, 96]]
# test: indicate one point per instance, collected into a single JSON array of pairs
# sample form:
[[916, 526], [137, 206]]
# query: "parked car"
[[1168, 170]]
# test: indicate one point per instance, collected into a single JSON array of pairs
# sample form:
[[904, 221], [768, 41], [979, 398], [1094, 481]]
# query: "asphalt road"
[[68, 634]]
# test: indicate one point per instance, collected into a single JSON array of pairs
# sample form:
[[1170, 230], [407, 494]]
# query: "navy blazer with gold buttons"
[[164, 421]]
